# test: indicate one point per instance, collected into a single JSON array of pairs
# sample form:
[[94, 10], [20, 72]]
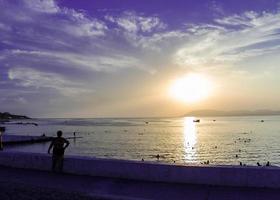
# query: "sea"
[[184, 140]]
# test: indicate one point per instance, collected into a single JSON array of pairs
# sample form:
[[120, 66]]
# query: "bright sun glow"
[[190, 88]]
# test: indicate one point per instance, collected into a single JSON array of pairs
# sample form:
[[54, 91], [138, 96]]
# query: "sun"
[[190, 88]]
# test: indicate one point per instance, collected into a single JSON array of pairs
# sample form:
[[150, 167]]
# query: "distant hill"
[[7, 116], [206, 113]]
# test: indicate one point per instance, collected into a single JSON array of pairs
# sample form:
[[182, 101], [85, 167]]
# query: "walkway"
[[28, 184]]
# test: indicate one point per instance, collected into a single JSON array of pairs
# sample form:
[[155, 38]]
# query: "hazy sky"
[[104, 58]]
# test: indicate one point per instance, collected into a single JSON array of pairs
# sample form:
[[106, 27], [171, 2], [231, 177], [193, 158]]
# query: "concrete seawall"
[[22, 139], [268, 177]]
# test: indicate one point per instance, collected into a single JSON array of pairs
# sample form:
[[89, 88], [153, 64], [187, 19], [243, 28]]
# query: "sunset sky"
[[119, 58]]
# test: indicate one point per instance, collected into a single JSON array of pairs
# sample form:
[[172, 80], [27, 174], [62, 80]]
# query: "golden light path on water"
[[190, 139]]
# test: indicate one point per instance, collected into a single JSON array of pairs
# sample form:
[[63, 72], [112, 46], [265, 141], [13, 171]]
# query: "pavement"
[[31, 184]]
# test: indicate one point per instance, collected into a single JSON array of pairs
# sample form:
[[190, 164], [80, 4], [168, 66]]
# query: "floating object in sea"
[[267, 164], [262, 120], [236, 156], [245, 140], [216, 147], [157, 156], [196, 120], [192, 147], [239, 150], [142, 159], [207, 162], [174, 161], [214, 120], [147, 122], [259, 164]]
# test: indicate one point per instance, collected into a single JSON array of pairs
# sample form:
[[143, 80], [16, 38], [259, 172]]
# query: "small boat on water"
[[196, 120]]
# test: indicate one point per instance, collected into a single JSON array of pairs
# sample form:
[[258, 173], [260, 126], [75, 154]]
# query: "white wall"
[[215, 175]]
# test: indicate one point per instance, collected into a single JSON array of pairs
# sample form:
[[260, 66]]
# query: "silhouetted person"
[[157, 156], [59, 144], [2, 130], [267, 164]]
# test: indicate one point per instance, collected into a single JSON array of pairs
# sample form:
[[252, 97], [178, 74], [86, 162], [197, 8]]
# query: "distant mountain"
[[7, 116], [206, 113]]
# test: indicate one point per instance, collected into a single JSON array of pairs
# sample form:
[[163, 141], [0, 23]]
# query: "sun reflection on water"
[[189, 139]]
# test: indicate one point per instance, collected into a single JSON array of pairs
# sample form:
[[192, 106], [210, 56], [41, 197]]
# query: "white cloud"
[[73, 39], [28, 77], [80, 25], [47, 6], [134, 23], [253, 35], [89, 62], [246, 19], [216, 7]]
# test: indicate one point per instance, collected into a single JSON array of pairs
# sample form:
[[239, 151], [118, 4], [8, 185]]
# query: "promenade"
[[22, 175], [33, 184]]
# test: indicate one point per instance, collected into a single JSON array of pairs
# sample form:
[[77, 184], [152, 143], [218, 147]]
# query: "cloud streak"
[[27, 77], [234, 39]]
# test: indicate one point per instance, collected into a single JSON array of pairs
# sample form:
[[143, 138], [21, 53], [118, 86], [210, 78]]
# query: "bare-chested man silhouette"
[[59, 144]]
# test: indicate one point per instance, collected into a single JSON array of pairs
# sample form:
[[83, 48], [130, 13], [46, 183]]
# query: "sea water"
[[219, 140]]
